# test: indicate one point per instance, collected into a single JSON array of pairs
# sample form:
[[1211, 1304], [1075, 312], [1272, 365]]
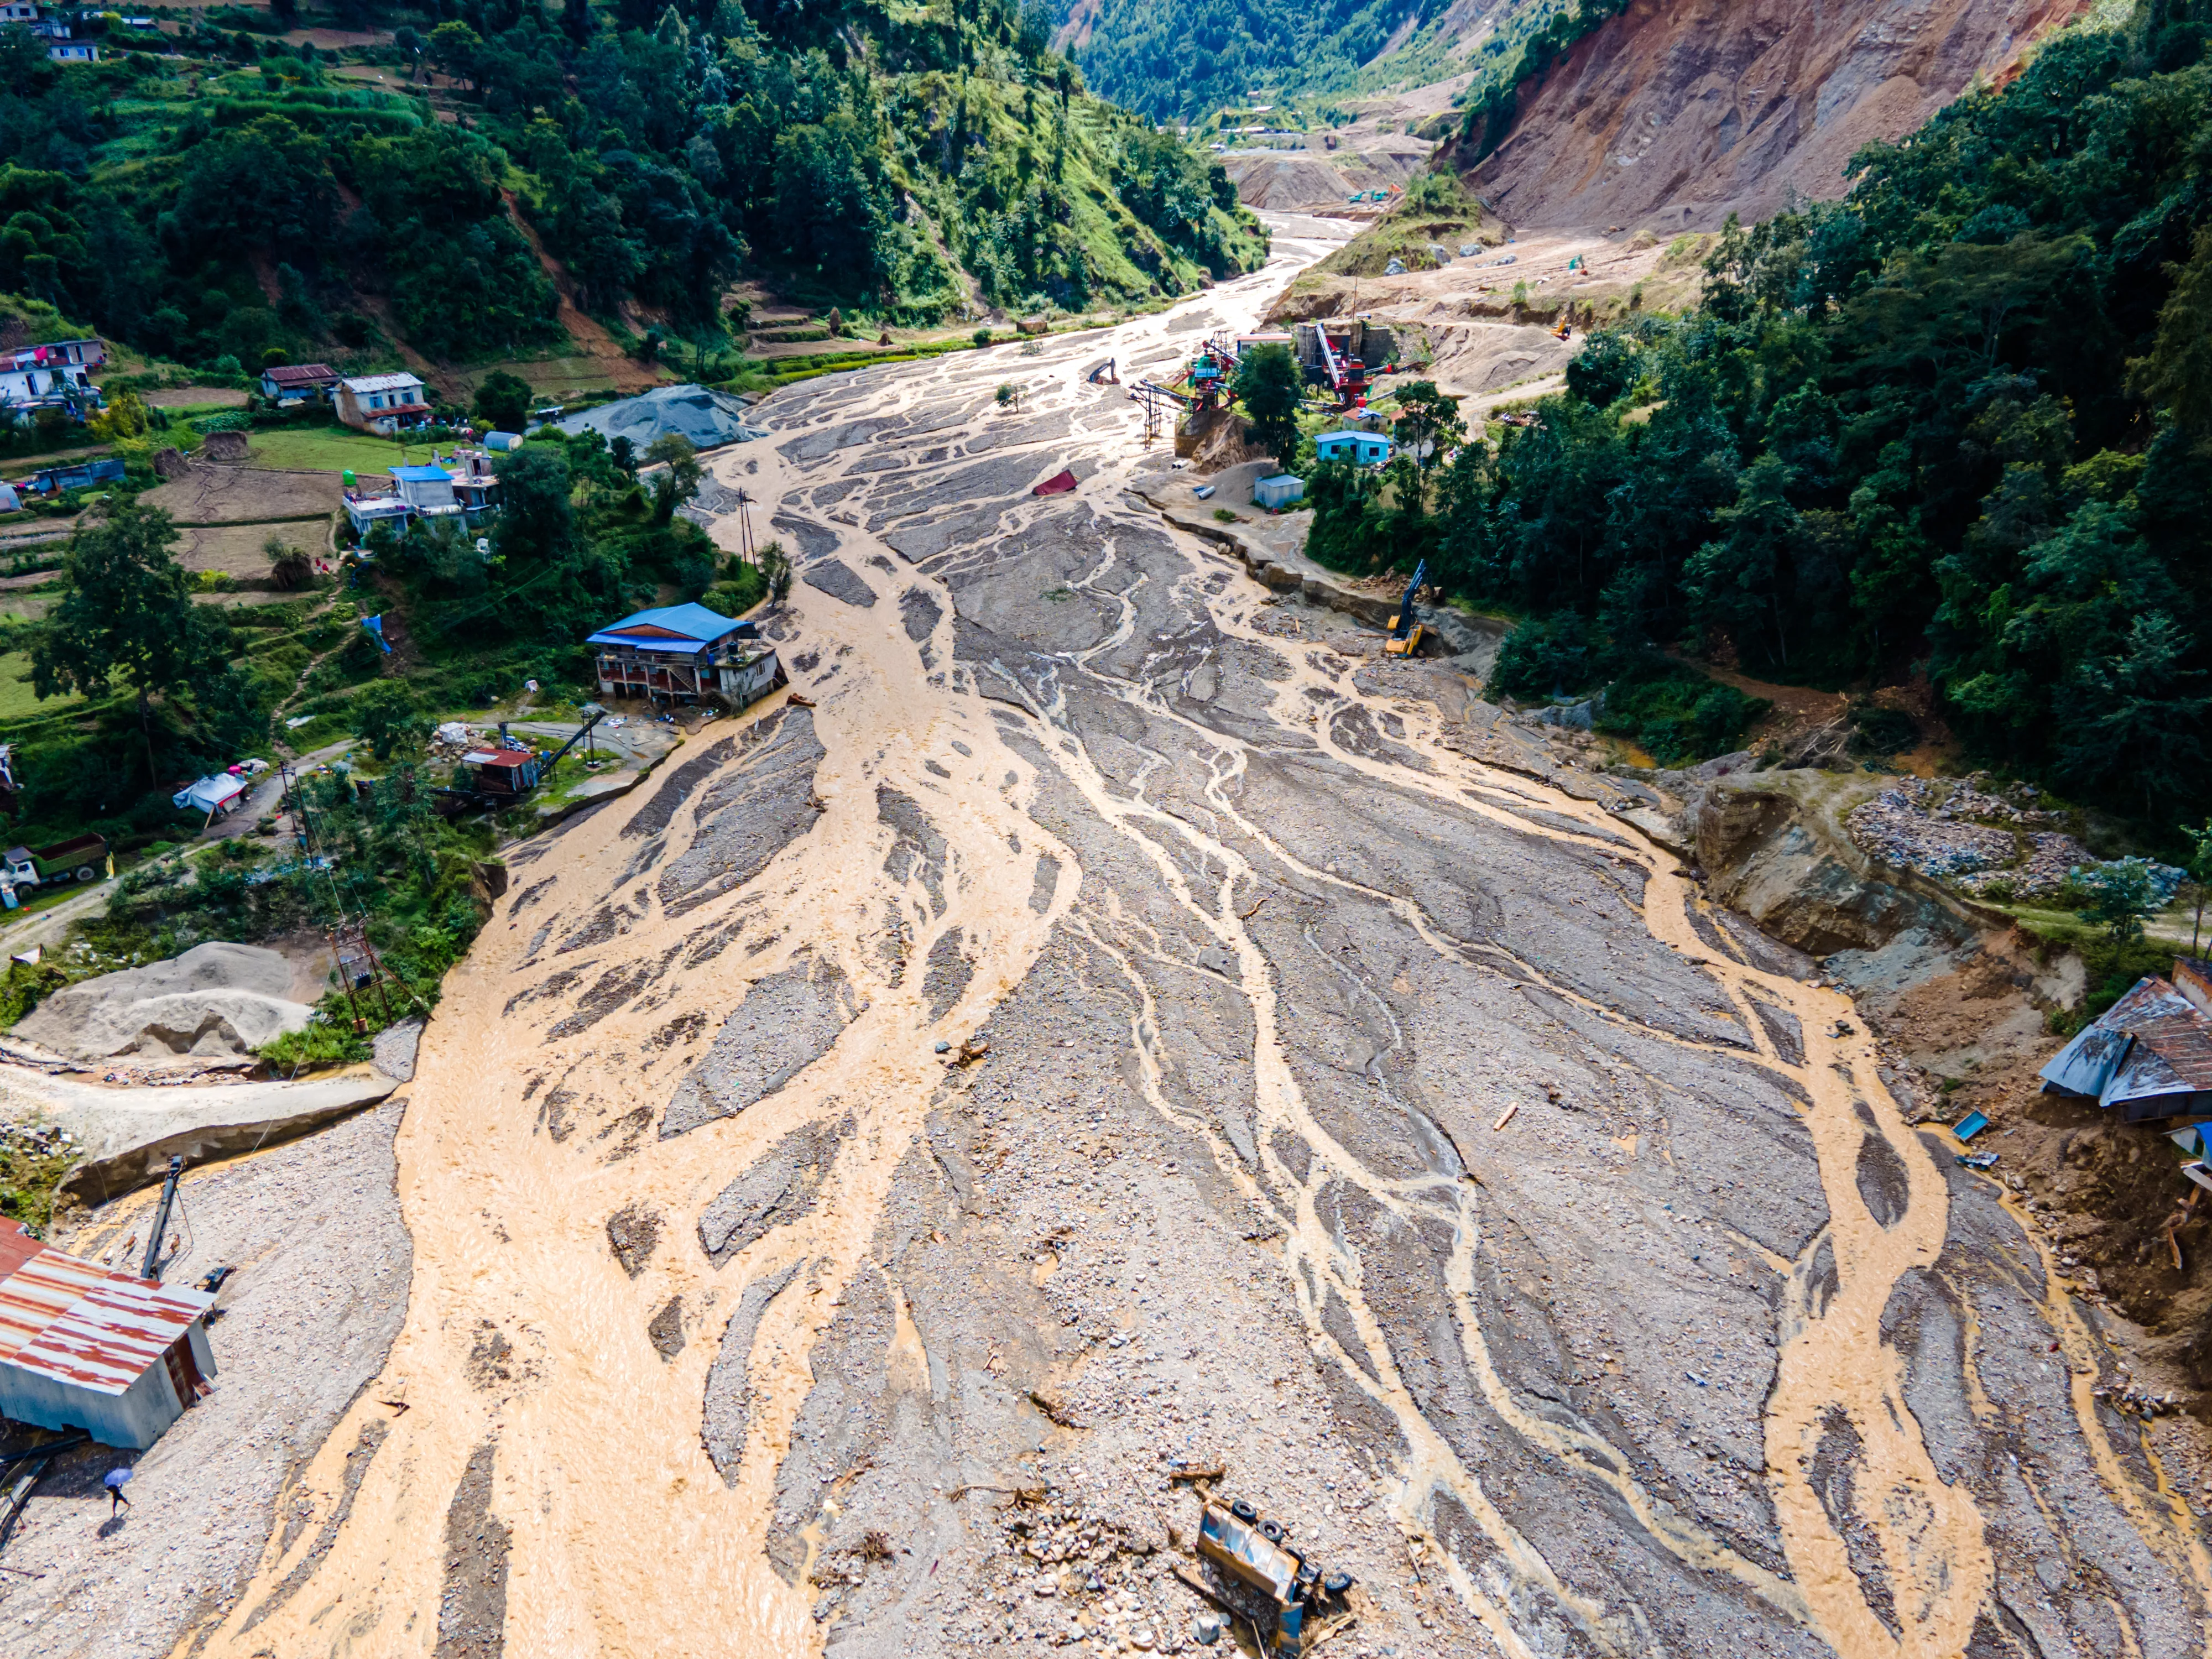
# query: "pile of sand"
[[215, 999], [708, 418]]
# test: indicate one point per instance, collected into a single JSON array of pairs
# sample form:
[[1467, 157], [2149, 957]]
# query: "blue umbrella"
[[116, 1478]]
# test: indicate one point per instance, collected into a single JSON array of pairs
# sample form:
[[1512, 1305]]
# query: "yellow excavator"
[[1406, 634]]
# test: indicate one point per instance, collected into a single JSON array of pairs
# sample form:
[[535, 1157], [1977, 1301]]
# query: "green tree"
[[2200, 874], [504, 401], [1269, 384], [776, 566], [2119, 896], [386, 718], [537, 522], [126, 608], [456, 49], [680, 480]]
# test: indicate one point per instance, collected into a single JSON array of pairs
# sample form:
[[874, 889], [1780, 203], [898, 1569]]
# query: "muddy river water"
[[1399, 1131]]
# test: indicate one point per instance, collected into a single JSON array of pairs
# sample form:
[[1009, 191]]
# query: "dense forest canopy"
[[1960, 422], [1184, 61], [252, 201]]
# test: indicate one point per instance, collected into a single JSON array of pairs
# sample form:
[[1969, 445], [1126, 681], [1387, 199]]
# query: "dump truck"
[[1252, 1552], [81, 859]]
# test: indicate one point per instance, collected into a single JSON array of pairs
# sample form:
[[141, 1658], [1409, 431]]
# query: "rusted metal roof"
[[503, 757], [2150, 1052], [81, 1324]]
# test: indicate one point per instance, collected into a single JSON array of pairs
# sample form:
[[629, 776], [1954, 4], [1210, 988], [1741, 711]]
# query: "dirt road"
[[1401, 1133]]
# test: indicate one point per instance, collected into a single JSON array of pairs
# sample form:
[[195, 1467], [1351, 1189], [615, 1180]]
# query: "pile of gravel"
[[216, 998], [708, 418]]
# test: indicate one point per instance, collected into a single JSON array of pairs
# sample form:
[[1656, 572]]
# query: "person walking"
[[118, 1503]]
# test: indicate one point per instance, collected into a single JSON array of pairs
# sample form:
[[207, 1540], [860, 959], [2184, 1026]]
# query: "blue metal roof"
[[696, 627], [421, 474]]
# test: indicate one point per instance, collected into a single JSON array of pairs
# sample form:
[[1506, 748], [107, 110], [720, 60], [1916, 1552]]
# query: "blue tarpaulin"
[[1970, 1125], [375, 626]]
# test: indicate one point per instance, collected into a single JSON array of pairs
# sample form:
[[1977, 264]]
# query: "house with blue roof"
[[685, 653], [1360, 448]]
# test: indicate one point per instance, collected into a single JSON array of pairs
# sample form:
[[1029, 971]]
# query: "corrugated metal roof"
[[380, 382], [420, 474], [298, 373], [667, 627], [2087, 1065], [504, 758], [81, 1324]]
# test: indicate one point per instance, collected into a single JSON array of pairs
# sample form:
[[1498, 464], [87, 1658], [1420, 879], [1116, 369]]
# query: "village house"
[[20, 12], [685, 653], [288, 384], [461, 485], [1360, 448], [73, 51], [381, 403], [83, 1347], [55, 375]]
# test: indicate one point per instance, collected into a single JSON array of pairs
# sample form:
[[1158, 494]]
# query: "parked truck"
[[85, 858]]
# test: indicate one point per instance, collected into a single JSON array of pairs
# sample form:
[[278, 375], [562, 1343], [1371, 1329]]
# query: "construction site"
[[1114, 1104]]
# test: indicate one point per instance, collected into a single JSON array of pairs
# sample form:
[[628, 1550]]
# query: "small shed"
[[1278, 491], [506, 771], [83, 1346], [1360, 448]]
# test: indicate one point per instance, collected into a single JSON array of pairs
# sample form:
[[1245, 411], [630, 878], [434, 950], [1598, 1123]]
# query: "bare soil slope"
[[1678, 111]]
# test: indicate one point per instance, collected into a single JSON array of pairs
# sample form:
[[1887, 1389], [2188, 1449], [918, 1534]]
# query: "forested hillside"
[[254, 197], [1960, 421], [1188, 61]]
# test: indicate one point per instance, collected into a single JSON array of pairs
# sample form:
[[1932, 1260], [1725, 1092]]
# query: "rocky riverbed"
[[1106, 1033]]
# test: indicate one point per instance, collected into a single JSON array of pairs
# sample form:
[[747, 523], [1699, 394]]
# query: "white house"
[[56, 375], [381, 403], [18, 11], [73, 51]]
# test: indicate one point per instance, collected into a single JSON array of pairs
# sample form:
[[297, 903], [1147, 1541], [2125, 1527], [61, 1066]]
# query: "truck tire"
[[85, 872]]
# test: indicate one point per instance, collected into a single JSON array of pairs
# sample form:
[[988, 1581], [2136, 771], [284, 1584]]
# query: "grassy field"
[[16, 701], [554, 379], [331, 449]]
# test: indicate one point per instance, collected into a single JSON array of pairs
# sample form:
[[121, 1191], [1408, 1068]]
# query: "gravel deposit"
[[215, 999], [708, 418]]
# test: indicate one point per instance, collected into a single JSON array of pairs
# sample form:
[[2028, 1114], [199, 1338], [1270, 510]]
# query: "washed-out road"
[[1397, 1131]]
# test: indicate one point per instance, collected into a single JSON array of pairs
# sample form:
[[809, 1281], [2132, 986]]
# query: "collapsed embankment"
[[1963, 995]]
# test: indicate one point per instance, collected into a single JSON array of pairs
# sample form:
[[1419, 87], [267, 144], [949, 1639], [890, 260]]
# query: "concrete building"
[[381, 403], [84, 1348], [684, 652]]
